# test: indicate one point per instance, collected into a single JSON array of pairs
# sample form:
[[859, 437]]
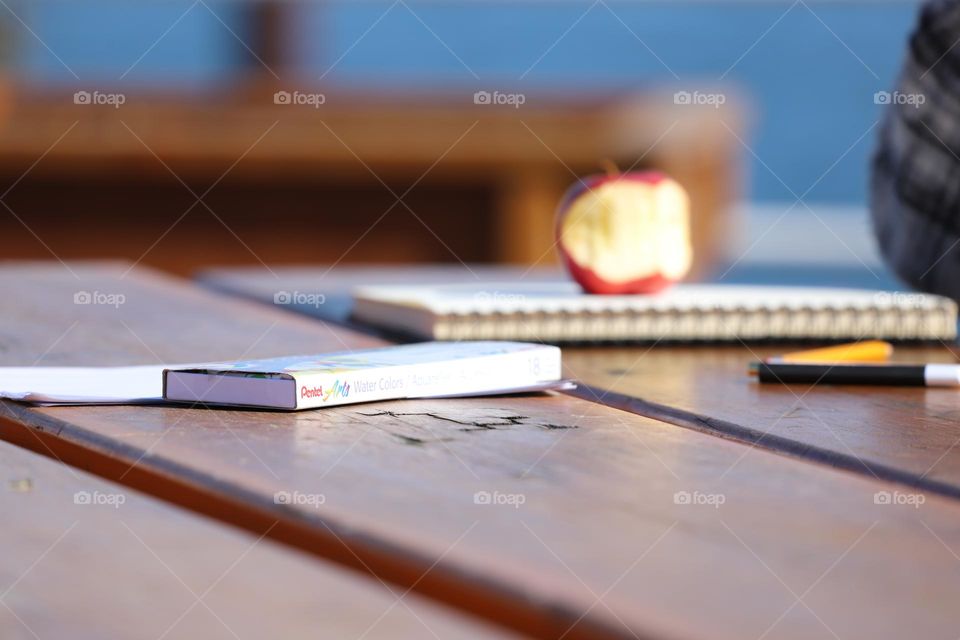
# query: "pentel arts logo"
[[337, 390]]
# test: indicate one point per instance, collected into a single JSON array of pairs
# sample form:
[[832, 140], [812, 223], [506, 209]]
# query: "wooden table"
[[611, 524], [86, 558], [911, 436]]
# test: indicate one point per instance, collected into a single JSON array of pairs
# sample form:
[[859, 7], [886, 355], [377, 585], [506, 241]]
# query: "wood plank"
[[155, 312], [906, 435], [393, 133], [297, 288], [84, 558], [526, 215], [590, 534], [368, 140]]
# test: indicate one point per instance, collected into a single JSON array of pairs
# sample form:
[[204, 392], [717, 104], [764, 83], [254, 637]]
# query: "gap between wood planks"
[[761, 439], [246, 510]]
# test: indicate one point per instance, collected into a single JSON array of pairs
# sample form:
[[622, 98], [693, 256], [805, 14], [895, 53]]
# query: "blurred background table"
[[366, 176]]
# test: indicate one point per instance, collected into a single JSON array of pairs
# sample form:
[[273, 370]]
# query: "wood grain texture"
[[43, 325], [906, 435], [84, 558], [550, 514]]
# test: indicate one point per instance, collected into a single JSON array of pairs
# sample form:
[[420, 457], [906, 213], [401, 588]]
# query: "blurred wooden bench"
[[294, 183]]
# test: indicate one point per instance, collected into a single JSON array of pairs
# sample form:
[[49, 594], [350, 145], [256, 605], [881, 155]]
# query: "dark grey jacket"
[[915, 183]]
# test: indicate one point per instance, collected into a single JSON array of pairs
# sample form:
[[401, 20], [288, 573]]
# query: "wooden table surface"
[[85, 558], [603, 523], [906, 435]]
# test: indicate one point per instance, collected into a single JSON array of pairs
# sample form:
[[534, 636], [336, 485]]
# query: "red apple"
[[626, 233]]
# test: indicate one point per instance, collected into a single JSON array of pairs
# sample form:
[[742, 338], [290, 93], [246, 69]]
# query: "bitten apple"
[[626, 233]]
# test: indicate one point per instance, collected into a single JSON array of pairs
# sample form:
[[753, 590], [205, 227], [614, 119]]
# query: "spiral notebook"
[[559, 312]]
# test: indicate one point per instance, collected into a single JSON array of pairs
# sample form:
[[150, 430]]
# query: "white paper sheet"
[[84, 385]]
